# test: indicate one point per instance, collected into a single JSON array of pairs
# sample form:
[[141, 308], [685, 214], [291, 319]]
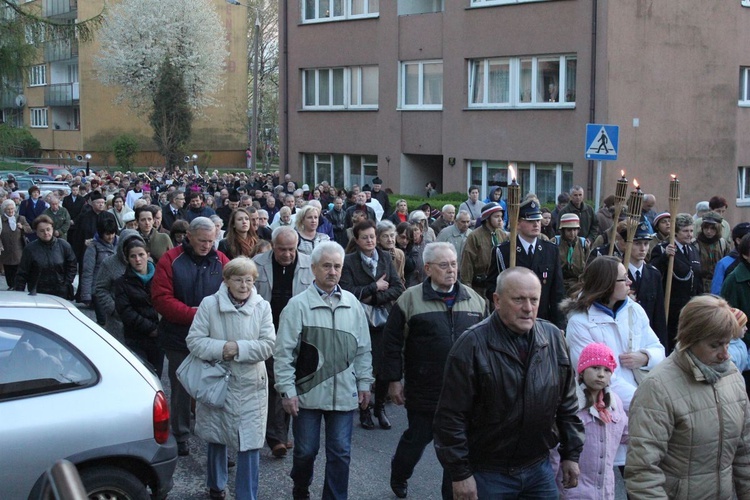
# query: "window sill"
[[420, 108], [743, 202], [339, 19], [524, 107], [743, 104], [347, 110]]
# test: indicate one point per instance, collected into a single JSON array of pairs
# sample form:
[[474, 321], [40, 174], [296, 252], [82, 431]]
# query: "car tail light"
[[161, 418]]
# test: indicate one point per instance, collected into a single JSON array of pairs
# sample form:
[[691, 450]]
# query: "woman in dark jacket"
[[12, 240], [133, 304], [48, 264]]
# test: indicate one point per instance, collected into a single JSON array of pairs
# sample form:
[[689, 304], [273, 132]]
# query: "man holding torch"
[[531, 252]]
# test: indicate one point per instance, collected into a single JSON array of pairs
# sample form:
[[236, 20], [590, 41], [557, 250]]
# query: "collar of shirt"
[[526, 243], [633, 269], [335, 293]]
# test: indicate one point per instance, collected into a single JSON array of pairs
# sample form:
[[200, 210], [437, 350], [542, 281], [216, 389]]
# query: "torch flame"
[[622, 173], [674, 177], [635, 183], [512, 172]]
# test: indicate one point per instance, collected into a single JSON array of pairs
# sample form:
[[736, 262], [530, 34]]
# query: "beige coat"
[[689, 439], [241, 424]]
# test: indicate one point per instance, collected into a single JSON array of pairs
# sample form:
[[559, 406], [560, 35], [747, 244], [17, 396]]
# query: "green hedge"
[[414, 202]]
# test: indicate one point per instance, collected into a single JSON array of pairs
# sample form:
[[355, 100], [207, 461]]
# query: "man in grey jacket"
[[323, 370], [282, 273]]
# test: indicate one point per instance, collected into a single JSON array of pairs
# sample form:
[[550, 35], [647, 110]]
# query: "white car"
[[70, 390]]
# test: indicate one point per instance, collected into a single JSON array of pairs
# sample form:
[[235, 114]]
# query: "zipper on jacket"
[[721, 442], [335, 377]]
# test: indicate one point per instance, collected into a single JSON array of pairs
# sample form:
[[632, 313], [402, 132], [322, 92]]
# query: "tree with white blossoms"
[[138, 35]]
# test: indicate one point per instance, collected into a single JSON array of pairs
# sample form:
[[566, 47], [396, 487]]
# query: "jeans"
[[246, 479], [534, 483], [306, 429], [411, 446], [179, 401]]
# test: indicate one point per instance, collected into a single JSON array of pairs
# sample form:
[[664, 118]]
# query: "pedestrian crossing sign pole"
[[602, 143]]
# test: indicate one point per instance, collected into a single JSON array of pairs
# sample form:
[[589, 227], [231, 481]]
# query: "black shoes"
[[365, 419], [183, 449], [381, 416], [399, 488], [300, 493]]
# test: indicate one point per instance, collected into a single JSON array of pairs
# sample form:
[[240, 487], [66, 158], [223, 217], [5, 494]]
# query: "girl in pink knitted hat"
[[605, 421]]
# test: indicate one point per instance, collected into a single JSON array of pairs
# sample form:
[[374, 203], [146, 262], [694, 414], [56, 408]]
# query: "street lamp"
[[256, 48]]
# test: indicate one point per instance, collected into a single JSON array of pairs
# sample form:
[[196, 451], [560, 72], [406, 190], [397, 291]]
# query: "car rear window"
[[36, 361]]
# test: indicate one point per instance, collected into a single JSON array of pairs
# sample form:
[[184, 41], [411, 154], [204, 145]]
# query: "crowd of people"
[[533, 379]]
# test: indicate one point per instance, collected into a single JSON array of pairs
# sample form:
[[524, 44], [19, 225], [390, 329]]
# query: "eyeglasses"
[[240, 281], [445, 265]]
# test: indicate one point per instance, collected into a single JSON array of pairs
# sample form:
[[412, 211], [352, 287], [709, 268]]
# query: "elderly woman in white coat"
[[234, 325], [603, 312]]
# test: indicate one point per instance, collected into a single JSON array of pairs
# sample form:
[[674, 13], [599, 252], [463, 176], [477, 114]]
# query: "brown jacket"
[[689, 439]]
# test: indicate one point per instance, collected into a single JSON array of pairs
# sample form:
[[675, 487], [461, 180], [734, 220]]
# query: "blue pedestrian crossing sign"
[[602, 141]]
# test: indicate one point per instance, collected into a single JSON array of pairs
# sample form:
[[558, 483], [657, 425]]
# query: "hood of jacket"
[[125, 236]]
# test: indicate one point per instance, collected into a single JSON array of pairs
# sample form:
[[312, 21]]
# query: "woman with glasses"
[[603, 312], [234, 326], [369, 274]]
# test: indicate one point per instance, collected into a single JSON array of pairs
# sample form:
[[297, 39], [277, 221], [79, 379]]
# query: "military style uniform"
[[686, 282]]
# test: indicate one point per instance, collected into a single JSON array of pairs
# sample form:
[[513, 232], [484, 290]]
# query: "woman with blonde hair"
[[234, 326], [689, 420], [306, 223]]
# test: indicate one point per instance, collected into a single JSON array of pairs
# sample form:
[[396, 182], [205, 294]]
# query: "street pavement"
[[369, 470]]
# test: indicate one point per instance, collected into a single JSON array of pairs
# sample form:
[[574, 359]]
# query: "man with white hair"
[[457, 233], [416, 343], [446, 219], [184, 276], [323, 370]]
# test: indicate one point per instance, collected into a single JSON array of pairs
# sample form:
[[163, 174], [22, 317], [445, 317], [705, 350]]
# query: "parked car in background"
[[52, 170], [56, 186], [69, 390]]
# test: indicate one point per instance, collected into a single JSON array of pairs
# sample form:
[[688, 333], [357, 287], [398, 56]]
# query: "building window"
[[421, 85], [340, 88], [541, 81], [744, 98], [339, 170], [38, 75], [488, 3], [408, 7], [546, 180], [743, 186], [315, 11], [38, 117]]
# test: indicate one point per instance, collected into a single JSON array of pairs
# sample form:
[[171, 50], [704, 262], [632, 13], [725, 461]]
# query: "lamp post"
[[256, 49]]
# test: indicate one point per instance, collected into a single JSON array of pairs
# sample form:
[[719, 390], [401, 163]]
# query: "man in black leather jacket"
[[508, 397]]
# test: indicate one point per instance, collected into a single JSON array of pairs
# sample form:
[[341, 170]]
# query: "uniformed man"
[[535, 254], [686, 276], [646, 283]]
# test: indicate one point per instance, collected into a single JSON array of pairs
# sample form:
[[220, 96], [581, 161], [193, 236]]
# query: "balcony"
[[8, 99], [60, 50], [61, 8], [61, 94]]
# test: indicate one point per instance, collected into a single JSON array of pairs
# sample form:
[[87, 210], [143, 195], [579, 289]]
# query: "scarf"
[[235, 302], [11, 222], [712, 373], [244, 245], [601, 407], [150, 269]]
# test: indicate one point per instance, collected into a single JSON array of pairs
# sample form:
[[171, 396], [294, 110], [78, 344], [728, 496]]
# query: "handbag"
[[206, 381], [376, 315]]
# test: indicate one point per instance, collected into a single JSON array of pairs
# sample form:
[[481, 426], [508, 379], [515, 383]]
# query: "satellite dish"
[[79, 158], [20, 100], [186, 159]]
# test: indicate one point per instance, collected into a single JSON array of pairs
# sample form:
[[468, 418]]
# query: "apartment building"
[[71, 112], [454, 91]]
